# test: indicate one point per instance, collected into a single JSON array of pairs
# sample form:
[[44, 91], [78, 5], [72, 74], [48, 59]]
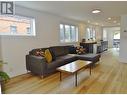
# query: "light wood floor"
[[109, 76]]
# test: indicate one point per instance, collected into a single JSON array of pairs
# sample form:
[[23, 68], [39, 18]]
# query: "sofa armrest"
[[36, 65]]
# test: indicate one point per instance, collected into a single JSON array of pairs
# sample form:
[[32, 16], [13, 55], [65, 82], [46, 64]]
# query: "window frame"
[[76, 33]]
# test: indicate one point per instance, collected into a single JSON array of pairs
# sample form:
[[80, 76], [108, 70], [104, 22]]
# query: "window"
[[68, 33], [116, 35], [28, 30], [91, 33], [17, 25], [13, 29], [88, 33]]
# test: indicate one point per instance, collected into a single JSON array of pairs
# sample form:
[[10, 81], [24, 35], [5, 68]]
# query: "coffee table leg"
[[60, 76], [76, 79], [90, 69]]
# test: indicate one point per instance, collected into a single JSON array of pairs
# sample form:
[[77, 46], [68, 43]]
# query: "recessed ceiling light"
[[96, 11], [109, 18], [114, 21], [88, 21], [96, 24]]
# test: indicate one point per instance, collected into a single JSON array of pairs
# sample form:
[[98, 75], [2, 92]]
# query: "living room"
[[45, 19]]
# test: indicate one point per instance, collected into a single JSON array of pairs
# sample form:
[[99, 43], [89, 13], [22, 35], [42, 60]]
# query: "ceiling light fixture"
[[114, 21], [96, 11], [96, 24], [88, 21], [109, 18]]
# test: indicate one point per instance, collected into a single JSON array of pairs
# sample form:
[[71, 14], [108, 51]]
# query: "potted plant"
[[3, 77]]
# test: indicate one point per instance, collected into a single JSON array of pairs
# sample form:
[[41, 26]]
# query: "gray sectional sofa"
[[61, 56]]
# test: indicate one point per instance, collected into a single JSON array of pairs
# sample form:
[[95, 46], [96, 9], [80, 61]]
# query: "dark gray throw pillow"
[[72, 50]]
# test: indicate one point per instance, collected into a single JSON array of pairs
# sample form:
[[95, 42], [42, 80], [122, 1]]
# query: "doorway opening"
[[112, 35], [116, 39]]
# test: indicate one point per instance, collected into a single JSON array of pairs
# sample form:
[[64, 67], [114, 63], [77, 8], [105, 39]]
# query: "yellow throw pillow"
[[48, 56]]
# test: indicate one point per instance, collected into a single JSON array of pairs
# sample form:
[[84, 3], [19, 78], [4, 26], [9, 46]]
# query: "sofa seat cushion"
[[55, 64], [89, 57], [68, 58]]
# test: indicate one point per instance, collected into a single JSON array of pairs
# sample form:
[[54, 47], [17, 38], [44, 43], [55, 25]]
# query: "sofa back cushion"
[[56, 51], [34, 51], [66, 49], [59, 50]]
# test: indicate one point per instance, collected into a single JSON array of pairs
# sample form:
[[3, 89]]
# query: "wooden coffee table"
[[74, 67]]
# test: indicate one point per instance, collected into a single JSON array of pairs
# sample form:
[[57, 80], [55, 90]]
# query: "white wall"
[[123, 39], [110, 37], [82, 34], [98, 30], [14, 48], [0, 50]]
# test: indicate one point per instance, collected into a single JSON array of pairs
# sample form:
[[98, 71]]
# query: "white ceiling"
[[81, 10]]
